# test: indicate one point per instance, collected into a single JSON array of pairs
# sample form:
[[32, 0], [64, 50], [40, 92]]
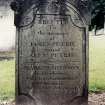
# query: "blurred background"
[[7, 29], [7, 51]]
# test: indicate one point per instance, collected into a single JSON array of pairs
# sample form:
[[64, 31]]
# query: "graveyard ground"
[[7, 82], [96, 72], [97, 63]]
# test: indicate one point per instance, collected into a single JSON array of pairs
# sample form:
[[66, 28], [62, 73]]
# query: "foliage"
[[98, 12]]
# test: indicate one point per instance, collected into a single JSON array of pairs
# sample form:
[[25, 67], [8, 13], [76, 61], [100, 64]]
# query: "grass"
[[7, 81], [96, 70], [97, 63]]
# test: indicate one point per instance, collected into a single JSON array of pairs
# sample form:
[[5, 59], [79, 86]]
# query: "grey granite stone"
[[52, 52]]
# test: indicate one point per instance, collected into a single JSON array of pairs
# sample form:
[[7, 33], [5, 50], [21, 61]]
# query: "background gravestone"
[[52, 52]]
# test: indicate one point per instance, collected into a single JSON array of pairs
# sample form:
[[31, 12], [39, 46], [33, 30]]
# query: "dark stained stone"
[[52, 52]]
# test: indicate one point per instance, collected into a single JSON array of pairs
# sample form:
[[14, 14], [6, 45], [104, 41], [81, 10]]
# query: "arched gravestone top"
[[21, 6], [52, 52]]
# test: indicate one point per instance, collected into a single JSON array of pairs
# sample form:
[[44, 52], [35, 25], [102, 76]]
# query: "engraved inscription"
[[53, 62], [52, 52]]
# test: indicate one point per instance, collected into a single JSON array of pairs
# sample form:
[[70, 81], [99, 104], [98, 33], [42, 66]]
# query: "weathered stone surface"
[[52, 52]]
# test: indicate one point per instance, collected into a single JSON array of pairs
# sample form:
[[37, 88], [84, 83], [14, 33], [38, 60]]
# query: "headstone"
[[52, 52]]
